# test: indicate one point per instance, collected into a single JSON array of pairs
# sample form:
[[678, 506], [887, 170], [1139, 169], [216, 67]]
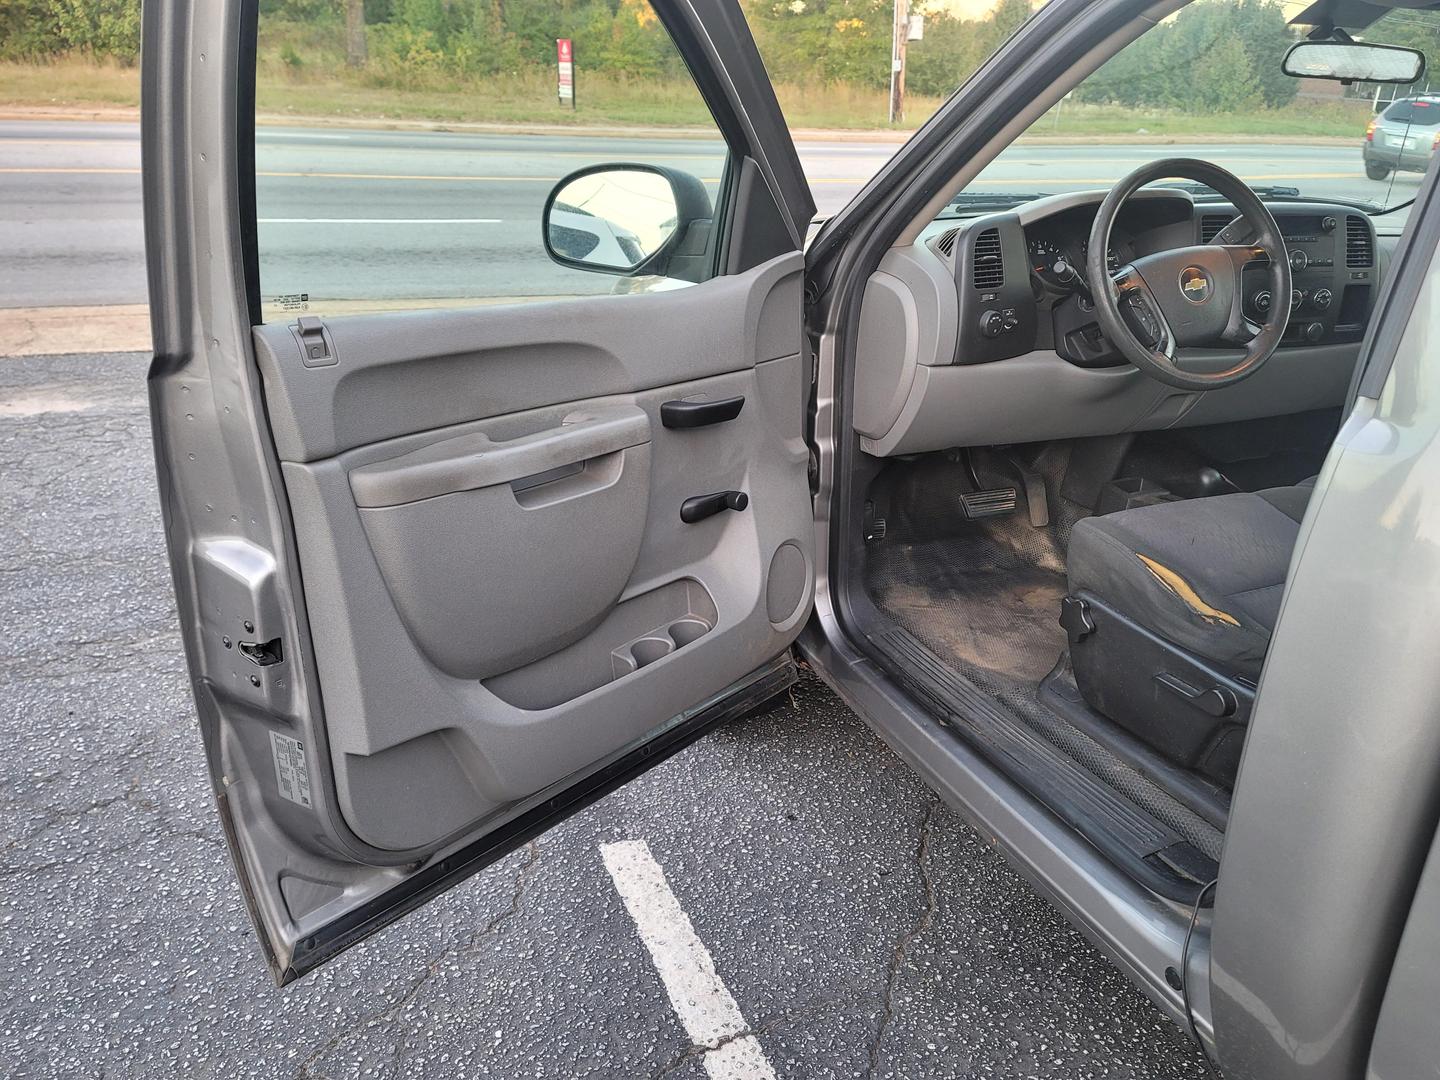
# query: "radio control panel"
[[1334, 274]]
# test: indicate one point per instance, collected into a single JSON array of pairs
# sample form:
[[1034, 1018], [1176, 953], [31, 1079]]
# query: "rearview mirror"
[[1353, 61], [622, 218]]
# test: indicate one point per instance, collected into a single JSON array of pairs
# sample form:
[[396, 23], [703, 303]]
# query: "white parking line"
[[378, 221], [705, 1007]]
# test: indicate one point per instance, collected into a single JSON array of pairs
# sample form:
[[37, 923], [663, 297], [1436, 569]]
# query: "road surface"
[[862, 928], [365, 215]]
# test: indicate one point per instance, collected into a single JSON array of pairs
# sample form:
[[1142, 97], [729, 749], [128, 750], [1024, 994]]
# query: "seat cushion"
[[1205, 574]]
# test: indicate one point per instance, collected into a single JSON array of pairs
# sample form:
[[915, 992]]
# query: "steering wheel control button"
[[1195, 285], [1322, 299]]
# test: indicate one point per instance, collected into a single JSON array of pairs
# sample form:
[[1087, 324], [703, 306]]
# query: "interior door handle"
[[693, 414], [701, 507]]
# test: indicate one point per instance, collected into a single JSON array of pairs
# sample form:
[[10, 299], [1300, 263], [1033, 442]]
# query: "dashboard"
[[982, 330]]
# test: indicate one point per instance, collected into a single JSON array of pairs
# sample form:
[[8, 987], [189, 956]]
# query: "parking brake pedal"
[[992, 502]]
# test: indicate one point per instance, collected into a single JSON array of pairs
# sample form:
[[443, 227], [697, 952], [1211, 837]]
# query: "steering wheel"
[[1191, 297]]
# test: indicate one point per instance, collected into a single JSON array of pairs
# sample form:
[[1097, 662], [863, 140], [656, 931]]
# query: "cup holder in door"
[[657, 644], [684, 631], [649, 649]]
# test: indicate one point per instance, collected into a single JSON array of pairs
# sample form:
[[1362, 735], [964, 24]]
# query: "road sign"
[[565, 58]]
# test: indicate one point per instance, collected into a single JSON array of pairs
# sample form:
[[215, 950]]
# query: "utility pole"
[[900, 34], [355, 51]]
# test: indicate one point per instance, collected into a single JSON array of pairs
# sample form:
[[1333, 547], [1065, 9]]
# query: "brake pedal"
[[1036, 503], [992, 502]]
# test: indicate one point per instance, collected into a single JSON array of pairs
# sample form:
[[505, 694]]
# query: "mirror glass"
[[612, 219], [1353, 61]]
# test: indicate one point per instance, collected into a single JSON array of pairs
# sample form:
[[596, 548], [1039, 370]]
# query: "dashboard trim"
[[912, 396]]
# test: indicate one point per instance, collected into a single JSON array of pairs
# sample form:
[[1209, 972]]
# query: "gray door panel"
[[432, 579], [402, 372], [505, 599]]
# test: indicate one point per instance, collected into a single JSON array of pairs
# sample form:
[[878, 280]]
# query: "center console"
[[1334, 271]]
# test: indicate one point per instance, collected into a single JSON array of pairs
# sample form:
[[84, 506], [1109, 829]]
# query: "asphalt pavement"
[[355, 214], [863, 929]]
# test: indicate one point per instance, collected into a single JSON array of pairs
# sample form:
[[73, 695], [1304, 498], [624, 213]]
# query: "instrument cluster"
[[1057, 256]]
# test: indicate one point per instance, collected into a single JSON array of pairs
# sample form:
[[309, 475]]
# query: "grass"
[[69, 83], [1300, 118], [323, 88]]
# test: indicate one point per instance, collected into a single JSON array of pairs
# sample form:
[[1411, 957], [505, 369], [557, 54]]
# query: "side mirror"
[[626, 219], [1353, 61]]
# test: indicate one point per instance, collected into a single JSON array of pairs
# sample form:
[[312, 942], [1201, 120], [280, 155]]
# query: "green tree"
[[36, 29], [1215, 55], [1224, 79]]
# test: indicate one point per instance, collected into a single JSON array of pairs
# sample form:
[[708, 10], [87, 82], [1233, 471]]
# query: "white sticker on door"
[[291, 772]]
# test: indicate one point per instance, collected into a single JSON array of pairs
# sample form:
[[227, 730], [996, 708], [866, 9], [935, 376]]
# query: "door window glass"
[[405, 151]]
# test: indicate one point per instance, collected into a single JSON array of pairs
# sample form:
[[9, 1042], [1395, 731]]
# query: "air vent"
[[989, 269], [1210, 226], [1359, 247], [945, 242]]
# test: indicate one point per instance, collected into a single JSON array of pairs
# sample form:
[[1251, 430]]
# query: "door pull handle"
[[701, 507], [693, 414]]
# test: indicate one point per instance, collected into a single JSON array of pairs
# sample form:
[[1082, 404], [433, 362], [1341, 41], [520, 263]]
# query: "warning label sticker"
[[291, 772], [292, 301]]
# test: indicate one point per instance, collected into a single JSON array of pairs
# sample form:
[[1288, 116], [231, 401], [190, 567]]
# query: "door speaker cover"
[[785, 585]]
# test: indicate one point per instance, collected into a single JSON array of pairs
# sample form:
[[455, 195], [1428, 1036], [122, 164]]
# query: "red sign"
[[565, 57]]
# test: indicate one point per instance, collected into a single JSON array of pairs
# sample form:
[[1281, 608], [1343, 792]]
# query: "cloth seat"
[[1205, 574]]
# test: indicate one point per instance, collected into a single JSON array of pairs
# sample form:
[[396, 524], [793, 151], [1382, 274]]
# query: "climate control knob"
[[1261, 301], [1322, 299]]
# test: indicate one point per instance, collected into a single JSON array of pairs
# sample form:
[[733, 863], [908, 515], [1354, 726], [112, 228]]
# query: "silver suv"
[[1403, 137]]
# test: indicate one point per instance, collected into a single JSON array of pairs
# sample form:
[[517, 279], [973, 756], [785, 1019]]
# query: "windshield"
[[1207, 83]]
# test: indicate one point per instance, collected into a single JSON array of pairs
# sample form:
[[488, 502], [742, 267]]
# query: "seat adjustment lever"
[[1216, 701], [700, 507]]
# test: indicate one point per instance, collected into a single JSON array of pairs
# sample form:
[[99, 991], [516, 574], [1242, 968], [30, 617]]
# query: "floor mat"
[[986, 600], [983, 607]]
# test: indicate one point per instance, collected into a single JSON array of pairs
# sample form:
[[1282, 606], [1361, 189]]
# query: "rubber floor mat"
[[986, 600]]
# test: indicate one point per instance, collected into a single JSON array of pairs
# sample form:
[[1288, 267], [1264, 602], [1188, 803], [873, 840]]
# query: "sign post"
[[565, 57], [900, 34]]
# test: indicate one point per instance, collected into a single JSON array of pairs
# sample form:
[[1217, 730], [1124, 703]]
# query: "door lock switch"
[[316, 347]]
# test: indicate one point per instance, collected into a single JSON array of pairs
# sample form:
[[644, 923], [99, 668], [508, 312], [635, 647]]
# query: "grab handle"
[[472, 461]]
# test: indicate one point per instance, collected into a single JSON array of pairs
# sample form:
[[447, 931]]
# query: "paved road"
[[862, 928], [409, 214]]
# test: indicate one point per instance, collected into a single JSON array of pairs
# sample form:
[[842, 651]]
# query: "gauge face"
[[1112, 257], [1048, 259], [1043, 254]]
